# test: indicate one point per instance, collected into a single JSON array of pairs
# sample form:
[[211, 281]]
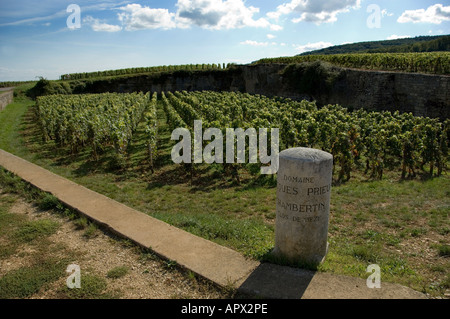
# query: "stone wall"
[[216, 80], [421, 94], [6, 98]]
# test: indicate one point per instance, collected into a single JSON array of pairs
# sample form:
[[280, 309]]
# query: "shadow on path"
[[277, 282]]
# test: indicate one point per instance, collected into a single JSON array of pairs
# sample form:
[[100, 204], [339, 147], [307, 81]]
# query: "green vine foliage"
[[372, 141]]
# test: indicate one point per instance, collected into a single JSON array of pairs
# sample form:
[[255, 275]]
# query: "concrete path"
[[219, 264]]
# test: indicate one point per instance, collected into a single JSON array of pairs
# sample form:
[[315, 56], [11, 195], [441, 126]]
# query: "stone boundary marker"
[[303, 204], [221, 265]]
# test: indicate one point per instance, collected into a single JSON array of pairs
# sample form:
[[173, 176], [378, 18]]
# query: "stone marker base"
[[278, 257]]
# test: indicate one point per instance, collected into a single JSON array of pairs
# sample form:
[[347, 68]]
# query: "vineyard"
[[369, 141], [14, 83], [97, 120], [142, 70], [430, 62], [427, 62]]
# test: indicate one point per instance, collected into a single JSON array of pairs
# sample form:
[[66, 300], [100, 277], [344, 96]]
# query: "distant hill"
[[417, 44]]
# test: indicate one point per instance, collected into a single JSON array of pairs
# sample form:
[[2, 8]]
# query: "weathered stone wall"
[[421, 94], [5, 99], [176, 81]]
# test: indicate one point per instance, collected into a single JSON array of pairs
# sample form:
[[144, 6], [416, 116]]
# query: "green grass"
[[117, 272], [8, 225], [17, 230], [11, 120], [26, 281], [92, 287], [444, 250], [32, 230], [90, 231], [81, 223], [48, 202], [371, 221]]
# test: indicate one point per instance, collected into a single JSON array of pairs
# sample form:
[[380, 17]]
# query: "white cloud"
[[218, 14], [36, 19], [259, 44], [57, 15], [255, 43], [98, 26], [271, 36], [435, 14], [384, 13], [317, 11], [103, 6], [312, 46], [135, 17], [276, 27], [395, 37], [208, 14]]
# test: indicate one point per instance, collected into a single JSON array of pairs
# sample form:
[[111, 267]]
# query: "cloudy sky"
[[49, 38]]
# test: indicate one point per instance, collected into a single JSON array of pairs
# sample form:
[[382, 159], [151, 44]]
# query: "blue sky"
[[37, 40]]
